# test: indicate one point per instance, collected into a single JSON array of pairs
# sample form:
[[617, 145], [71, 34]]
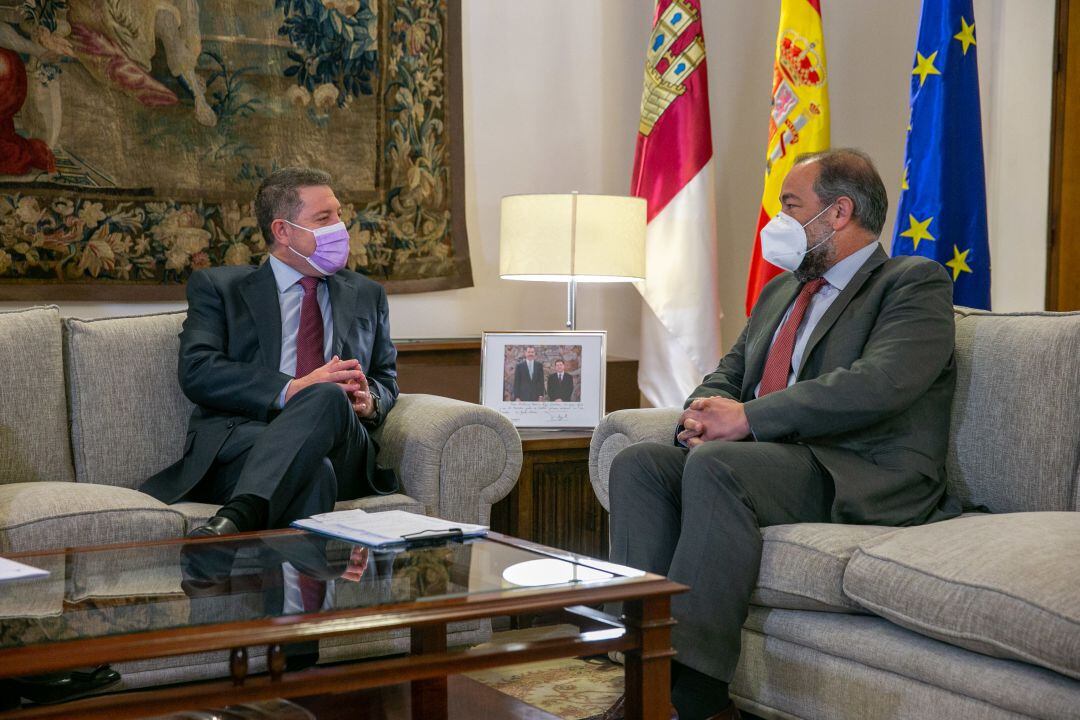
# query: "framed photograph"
[[544, 379]]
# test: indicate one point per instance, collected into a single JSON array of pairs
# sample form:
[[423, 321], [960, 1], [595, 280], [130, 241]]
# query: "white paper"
[[11, 570], [384, 528]]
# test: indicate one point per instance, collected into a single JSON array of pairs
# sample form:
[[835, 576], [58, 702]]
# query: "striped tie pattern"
[[778, 363]]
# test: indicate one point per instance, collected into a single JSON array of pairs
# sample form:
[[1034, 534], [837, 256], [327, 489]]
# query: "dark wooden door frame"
[[1063, 241]]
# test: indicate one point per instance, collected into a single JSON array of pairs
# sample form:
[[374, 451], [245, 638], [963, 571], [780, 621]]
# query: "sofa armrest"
[[621, 429], [455, 457]]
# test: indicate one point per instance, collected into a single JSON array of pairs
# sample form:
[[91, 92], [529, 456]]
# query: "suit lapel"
[[342, 308], [259, 291], [841, 302], [771, 315]]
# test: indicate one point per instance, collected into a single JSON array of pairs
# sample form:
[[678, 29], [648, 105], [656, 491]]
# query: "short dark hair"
[[278, 197], [847, 172]]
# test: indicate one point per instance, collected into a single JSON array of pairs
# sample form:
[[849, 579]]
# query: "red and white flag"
[[673, 171]]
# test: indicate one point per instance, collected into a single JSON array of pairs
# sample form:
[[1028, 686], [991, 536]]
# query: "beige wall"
[[551, 96]]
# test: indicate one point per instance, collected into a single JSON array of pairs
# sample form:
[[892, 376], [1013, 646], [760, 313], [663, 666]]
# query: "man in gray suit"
[[290, 366], [832, 406]]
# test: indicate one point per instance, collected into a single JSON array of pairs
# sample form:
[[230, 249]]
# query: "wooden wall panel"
[[1063, 258]]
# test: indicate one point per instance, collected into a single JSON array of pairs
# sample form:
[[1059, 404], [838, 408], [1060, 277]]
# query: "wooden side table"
[[553, 502]]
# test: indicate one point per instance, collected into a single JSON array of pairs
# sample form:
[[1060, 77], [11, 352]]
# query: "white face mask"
[[783, 240]]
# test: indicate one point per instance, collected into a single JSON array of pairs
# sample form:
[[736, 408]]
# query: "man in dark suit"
[[833, 405], [290, 366], [560, 386], [529, 378]]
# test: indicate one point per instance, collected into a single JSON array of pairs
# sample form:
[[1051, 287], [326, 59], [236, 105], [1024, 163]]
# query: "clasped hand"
[[714, 418], [347, 375]]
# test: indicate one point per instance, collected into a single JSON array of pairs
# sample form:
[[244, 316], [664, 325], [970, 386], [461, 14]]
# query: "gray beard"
[[815, 263]]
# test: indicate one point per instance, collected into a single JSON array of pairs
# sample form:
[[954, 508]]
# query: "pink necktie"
[[778, 363], [309, 338]]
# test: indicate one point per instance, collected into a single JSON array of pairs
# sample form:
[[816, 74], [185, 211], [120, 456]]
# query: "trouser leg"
[[290, 453], [312, 454], [729, 491], [643, 488]]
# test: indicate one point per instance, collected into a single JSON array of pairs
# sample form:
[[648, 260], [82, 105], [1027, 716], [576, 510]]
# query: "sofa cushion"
[[802, 566], [800, 664], [197, 513], [1013, 436], [128, 415], [382, 503], [34, 444], [50, 515], [1003, 585], [21, 603]]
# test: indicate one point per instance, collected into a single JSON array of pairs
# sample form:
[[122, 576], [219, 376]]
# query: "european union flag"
[[942, 213]]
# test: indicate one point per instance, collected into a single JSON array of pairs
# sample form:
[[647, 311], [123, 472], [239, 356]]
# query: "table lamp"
[[572, 238]]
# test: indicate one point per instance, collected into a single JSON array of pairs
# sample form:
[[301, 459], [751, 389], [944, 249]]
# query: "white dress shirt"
[[290, 298]]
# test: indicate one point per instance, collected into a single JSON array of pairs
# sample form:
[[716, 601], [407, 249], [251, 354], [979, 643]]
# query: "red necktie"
[[309, 338], [312, 593], [778, 363]]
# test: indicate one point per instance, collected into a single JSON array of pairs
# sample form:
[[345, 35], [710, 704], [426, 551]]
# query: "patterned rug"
[[571, 688]]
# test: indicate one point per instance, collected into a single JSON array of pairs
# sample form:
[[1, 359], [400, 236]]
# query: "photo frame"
[[545, 379]]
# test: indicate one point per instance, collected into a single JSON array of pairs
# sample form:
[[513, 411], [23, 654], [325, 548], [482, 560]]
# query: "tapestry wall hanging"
[[134, 133]]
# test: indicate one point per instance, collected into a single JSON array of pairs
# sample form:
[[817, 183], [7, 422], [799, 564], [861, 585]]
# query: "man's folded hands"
[[714, 418]]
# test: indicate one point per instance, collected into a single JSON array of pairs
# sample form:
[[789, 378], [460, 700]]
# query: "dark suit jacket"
[[873, 395], [230, 349], [560, 390], [525, 387]]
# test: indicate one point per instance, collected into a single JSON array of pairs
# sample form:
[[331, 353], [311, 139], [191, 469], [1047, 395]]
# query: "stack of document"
[[386, 529], [11, 570]]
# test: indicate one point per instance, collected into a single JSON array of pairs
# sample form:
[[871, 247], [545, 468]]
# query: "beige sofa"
[[88, 409], [976, 617]]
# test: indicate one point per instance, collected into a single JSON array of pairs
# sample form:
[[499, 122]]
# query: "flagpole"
[[571, 283], [571, 303]]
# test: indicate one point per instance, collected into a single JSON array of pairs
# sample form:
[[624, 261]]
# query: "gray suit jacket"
[[873, 395], [230, 349]]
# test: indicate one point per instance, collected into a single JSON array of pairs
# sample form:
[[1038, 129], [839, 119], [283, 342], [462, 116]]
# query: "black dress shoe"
[[215, 527], [63, 686]]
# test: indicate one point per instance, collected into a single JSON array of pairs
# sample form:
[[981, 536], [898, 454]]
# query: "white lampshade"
[[590, 238]]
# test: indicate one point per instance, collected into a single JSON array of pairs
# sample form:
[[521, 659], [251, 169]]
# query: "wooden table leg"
[[238, 665], [275, 661], [648, 668], [429, 697]]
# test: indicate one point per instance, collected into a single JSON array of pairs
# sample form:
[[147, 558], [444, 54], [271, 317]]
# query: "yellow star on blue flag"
[[944, 175]]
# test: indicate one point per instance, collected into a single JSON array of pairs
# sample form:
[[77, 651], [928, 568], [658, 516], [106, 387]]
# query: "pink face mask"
[[331, 247]]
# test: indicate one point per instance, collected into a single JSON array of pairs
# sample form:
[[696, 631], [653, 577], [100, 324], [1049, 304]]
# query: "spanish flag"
[[798, 121]]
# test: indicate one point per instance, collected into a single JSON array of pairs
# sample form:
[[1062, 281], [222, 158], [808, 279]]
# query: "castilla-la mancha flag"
[[798, 121], [673, 171]]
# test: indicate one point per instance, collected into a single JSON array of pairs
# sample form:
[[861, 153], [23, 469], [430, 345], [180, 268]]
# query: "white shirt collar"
[[284, 276], [840, 274]]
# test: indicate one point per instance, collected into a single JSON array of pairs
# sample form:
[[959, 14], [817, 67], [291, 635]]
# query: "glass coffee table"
[[285, 590]]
